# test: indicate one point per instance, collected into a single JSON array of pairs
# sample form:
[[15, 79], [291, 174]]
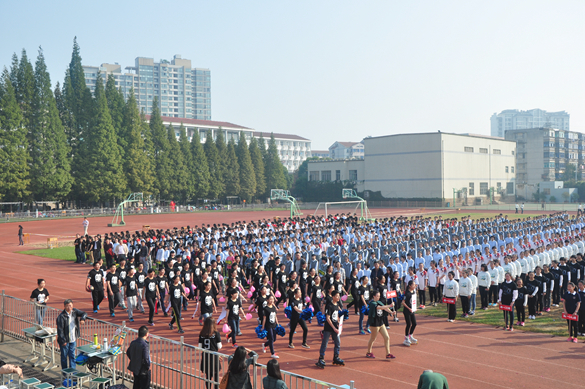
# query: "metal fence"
[[174, 364]]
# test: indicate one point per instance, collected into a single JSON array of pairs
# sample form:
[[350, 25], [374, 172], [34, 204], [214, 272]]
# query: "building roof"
[[345, 144], [198, 122], [439, 133], [277, 135]]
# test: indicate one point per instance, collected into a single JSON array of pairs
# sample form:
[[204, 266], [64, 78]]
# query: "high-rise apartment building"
[[513, 119], [183, 92]]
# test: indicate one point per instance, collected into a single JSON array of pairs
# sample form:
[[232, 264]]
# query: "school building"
[[434, 165]]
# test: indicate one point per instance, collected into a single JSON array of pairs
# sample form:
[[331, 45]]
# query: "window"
[[326, 175], [313, 176], [512, 169], [468, 149], [512, 152], [353, 175], [483, 188], [338, 175], [546, 191], [471, 189], [549, 165], [499, 186], [506, 169], [483, 151], [510, 188], [496, 151]]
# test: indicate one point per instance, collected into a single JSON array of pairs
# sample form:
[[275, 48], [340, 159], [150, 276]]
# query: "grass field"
[[549, 323], [65, 253], [461, 214]]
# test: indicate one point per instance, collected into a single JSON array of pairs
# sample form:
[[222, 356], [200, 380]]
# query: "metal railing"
[[174, 364]]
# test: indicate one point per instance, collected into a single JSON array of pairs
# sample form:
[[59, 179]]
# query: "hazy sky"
[[333, 70]]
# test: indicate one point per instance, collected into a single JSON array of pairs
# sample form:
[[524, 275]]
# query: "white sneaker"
[[406, 342], [413, 340], [274, 356]]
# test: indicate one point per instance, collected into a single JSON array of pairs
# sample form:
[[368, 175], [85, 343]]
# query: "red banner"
[[506, 308], [570, 317], [448, 300], [391, 294]]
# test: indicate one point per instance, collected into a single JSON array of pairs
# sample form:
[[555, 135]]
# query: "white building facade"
[[513, 119], [427, 165], [346, 150]]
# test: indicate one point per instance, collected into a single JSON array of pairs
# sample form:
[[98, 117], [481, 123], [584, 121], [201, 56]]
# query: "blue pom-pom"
[[280, 331], [262, 334], [321, 319], [344, 313], [365, 310], [288, 312], [307, 314], [258, 329]]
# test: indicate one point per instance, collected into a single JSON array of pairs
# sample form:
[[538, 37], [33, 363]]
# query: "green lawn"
[[549, 323], [479, 215], [66, 253]]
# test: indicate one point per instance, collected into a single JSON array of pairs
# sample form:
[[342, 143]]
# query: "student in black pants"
[[95, 283], [151, 294], [163, 287], [281, 285], [451, 290], [571, 305], [581, 326], [176, 291], [353, 285], [521, 302], [533, 287], [507, 296], [296, 305]]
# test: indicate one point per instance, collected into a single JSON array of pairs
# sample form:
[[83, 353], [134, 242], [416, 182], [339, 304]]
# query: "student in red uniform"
[[210, 339], [571, 305]]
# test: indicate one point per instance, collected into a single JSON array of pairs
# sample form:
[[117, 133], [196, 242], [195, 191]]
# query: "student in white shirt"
[[474, 285], [484, 281], [432, 281], [421, 275], [465, 288], [451, 290]]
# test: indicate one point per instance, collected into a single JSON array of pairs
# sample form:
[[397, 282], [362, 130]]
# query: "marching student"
[[571, 305], [317, 294], [131, 292], [210, 339], [163, 289], [270, 324], [296, 305], [507, 296], [207, 305], [140, 278], [40, 296], [151, 294], [484, 280], [95, 284], [521, 302], [176, 291], [234, 309], [451, 290], [113, 289], [353, 286], [364, 297], [260, 304], [375, 320], [409, 314], [465, 290], [421, 275], [331, 329]]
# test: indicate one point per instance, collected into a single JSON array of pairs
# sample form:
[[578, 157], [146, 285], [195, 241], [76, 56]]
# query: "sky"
[[332, 70]]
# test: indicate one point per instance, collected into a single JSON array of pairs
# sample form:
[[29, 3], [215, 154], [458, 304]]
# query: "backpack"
[[224, 380]]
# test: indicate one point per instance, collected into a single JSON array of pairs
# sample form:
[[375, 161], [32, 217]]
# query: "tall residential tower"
[[513, 119]]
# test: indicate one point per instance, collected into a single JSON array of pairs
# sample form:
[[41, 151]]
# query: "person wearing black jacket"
[[139, 355], [68, 323]]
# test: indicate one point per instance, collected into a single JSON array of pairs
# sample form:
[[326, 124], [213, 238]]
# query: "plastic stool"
[[44, 385], [99, 383], [29, 383], [79, 376]]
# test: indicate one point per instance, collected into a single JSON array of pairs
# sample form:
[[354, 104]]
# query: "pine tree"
[[273, 167], [258, 163], [14, 74], [262, 148], [232, 172], [188, 188], [221, 146], [179, 173], [14, 174], [60, 101], [160, 141], [116, 106], [247, 174], [50, 168], [137, 163], [199, 167], [25, 89], [103, 178], [216, 185]]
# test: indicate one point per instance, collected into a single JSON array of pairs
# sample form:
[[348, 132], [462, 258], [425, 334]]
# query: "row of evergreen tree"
[[68, 144]]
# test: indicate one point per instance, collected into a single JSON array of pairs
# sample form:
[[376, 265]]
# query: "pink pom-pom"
[[311, 308], [344, 298], [221, 278], [248, 316], [307, 299], [249, 294], [252, 289], [222, 299], [226, 329], [186, 290], [285, 304], [277, 294], [251, 307], [193, 287]]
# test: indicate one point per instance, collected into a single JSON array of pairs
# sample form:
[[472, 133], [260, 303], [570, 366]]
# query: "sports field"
[[470, 355]]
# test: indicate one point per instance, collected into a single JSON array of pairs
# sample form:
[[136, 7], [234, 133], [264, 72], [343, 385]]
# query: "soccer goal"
[[347, 207]]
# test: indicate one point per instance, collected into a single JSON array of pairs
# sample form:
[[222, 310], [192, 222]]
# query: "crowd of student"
[[383, 267]]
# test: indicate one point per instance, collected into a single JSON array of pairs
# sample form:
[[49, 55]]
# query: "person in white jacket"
[[465, 289], [473, 297], [451, 290], [484, 281], [494, 286]]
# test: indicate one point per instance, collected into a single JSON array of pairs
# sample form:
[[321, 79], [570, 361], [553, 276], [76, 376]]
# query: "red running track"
[[469, 355]]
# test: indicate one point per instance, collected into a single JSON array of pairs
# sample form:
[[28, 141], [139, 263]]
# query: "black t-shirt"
[[317, 292], [197, 272], [521, 293], [338, 286], [114, 281], [270, 317], [571, 300], [355, 285], [175, 291], [96, 279], [409, 299], [210, 342], [150, 285], [532, 285], [382, 289], [206, 301], [365, 292], [77, 244], [233, 308], [332, 312], [187, 277], [508, 289], [131, 288], [214, 273], [161, 282], [140, 278], [298, 304], [122, 274], [376, 319], [260, 304], [282, 280], [303, 275], [329, 280], [40, 295]]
